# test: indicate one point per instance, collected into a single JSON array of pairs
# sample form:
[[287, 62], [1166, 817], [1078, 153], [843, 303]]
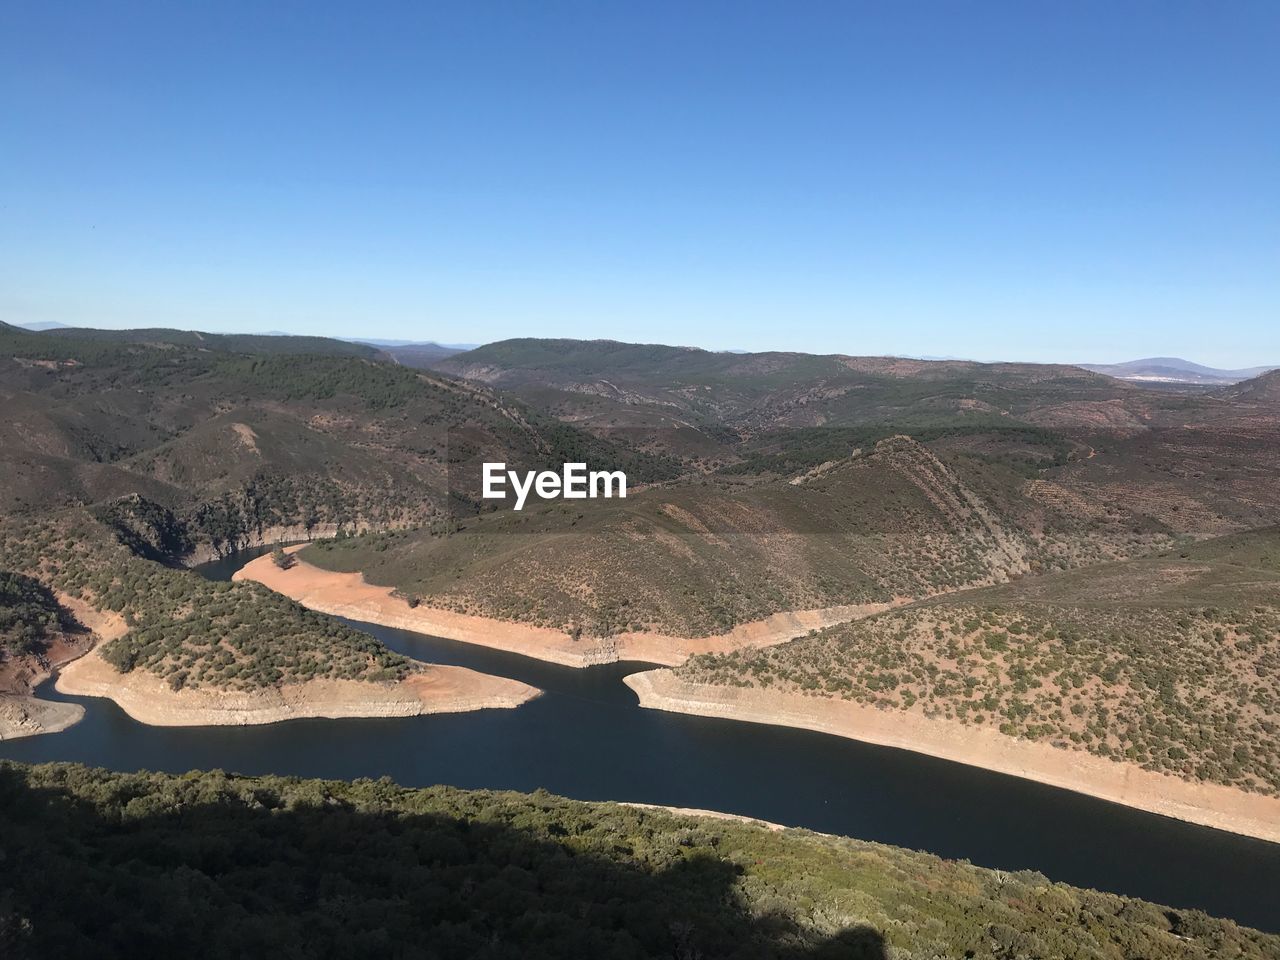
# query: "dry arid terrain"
[[1171, 664], [350, 595], [698, 558], [1033, 568]]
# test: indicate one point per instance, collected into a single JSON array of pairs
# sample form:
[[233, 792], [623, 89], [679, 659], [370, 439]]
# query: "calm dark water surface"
[[587, 738]]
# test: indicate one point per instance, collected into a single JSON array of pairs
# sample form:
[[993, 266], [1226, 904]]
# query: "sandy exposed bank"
[[24, 716], [348, 595], [1211, 805], [148, 698]]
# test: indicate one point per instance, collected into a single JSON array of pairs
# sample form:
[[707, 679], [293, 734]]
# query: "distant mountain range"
[[42, 326], [425, 354], [1174, 370], [416, 353], [455, 347]]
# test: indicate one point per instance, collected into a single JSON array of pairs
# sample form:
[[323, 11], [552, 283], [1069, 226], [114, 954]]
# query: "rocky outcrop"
[[22, 716]]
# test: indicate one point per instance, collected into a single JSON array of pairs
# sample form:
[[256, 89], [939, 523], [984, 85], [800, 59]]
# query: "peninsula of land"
[[149, 698], [430, 689]]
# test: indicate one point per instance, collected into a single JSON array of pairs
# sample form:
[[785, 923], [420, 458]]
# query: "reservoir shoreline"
[[1212, 805], [149, 699], [433, 689], [349, 595], [1206, 804], [588, 738]]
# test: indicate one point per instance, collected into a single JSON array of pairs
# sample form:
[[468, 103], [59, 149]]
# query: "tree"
[[281, 559]]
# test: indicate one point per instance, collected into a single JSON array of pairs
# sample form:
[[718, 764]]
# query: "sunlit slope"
[[694, 559], [239, 443], [761, 391], [1170, 662]]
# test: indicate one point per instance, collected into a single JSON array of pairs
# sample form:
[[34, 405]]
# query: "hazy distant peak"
[[1173, 370], [42, 325]]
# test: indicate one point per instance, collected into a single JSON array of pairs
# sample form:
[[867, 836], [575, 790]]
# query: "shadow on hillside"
[[232, 877]]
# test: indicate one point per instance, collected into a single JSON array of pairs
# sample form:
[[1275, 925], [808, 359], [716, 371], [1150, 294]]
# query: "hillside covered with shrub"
[[187, 630], [1170, 663], [700, 557], [210, 864]]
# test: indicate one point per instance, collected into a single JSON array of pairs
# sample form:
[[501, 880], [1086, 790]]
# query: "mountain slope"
[[1264, 388], [237, 443], [759, 391], [1171, 663], [1173, 370], [695, 559]]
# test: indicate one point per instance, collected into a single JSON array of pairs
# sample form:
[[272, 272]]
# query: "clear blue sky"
[[1039, 181]]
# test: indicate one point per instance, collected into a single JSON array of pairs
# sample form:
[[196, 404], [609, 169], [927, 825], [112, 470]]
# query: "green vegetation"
[[1027, 448], [698, 558], [29, 614], [269, 501], [377, 386], [227, 342], [190, 631], [237, 436], [560, 443], [757, 392], [1171, 664], [146, 528], [210, 864]]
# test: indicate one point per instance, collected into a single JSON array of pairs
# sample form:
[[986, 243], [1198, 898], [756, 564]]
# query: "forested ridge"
[[100, 864]]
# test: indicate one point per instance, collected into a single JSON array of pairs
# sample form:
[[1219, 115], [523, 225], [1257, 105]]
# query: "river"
[[586, 737]]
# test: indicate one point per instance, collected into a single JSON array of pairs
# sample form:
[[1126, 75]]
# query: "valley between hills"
[[1040, 552], [1036, 569]]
